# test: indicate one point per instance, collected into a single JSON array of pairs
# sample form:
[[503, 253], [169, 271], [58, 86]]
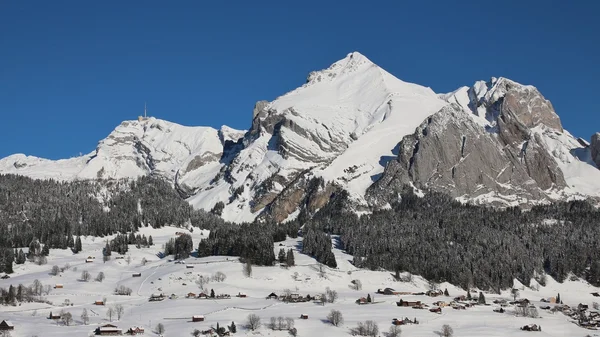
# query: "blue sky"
[[70, 71]]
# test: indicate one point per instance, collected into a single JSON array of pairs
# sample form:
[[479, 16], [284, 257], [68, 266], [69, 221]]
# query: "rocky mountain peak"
[[595, 149]]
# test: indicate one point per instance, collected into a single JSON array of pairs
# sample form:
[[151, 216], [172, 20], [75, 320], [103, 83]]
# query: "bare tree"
[[394, 331], [47, 289], [281, 323], [447, 331], [85, 317], [332, 295], [219, 277], [293, 332], [37, 287], [248, 269], [110, 313], [356, 285], [100, 277], [335, 317], [160, 328], [289, 322], [67, 318], [273, 323], [85, 275], [119, 310], [144, 261], [253, 322], [128, 259], [372, 328], [202, 281], [55, 270]]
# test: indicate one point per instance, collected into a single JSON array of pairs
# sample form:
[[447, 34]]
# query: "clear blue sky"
[[70, 71]]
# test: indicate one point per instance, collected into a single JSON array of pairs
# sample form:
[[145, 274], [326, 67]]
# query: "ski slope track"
[[497, 142]]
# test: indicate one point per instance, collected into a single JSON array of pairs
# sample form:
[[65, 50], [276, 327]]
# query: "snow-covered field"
[[164, 276]]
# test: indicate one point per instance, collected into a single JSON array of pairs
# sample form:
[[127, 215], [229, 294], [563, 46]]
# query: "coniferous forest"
[[433, 236]]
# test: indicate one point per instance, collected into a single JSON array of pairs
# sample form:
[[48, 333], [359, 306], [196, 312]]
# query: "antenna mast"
[[144, 109]]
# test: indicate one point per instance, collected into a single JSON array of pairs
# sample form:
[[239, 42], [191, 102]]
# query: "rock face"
[[595, 148], [484, 147]]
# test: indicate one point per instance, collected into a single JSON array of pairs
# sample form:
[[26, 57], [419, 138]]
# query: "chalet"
[[404, 321], [440, 304], [108, 330], [119, 257], [89, 260], [157, 297], [190, 295], [197, 318], [303, 316], [6, 325], [596, 294], [136, 274], [203, 295], [241, 295], [91, 257], [272, 296], [362, 300], [437, 310], [58, 286], [460, 298], [223, 296], [499, 310], [386, 291], [53, 316], [402, 303], [434, 293], [99, 302], [531, 327], [189, 266], [136, 330]]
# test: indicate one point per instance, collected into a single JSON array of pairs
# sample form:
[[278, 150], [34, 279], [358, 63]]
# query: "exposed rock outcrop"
[[595, 148]]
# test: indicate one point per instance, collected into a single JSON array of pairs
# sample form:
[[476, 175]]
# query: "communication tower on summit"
[[144, 117]]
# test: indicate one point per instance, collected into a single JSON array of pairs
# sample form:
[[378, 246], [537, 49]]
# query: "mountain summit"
[[352, 127]]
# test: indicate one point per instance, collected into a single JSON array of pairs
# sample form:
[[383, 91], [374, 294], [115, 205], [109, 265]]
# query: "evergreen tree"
[[78, 246], [150, 242], [45, 250], [212, 293], [290, 258], [469, 295], [232, 327], [70, 241], [107, 250], [481, 299], [558, 300], [446, 293], [21, 258], [281, 256], [368, 298]]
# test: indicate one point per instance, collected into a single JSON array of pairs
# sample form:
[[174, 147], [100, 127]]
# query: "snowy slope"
[[40, 168]]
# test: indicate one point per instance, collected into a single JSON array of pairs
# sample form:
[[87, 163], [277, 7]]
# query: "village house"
[[303, 316], [403, 303], [108, 330], [272, 296], [6, 325], [596, 294], [404, 321], [58, 286], [88, 260], [136, 274], [136, 330], [387, 291], [157, 297], [99, 302], [531, 327], [189, 266], [91, 257], [119, 257], [53, 316], [203, 296], [440, 304], [190, 295], [222, 296], [436, 310], [434, 293], [362, 300], [241, 295], [197, 318]]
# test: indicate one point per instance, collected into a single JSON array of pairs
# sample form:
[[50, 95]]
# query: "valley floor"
[[164, 276]]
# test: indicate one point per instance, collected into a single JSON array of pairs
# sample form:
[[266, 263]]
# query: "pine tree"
[[21, 258], [45, 250], [232, 327], [150, 242], [78, 247], [368, 298], [290, 258], [212, 293], [70, 241], [446, 293], [281, 256], [481, 299], [107, 251], [558, 300], [469, 295]]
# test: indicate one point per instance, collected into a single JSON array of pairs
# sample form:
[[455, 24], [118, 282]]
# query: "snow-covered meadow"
[[162, 275]]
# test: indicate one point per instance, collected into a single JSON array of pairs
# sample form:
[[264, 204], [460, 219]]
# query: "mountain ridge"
[[355, 127]]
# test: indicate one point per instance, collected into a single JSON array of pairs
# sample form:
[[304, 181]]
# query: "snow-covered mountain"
[[356, 127]]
